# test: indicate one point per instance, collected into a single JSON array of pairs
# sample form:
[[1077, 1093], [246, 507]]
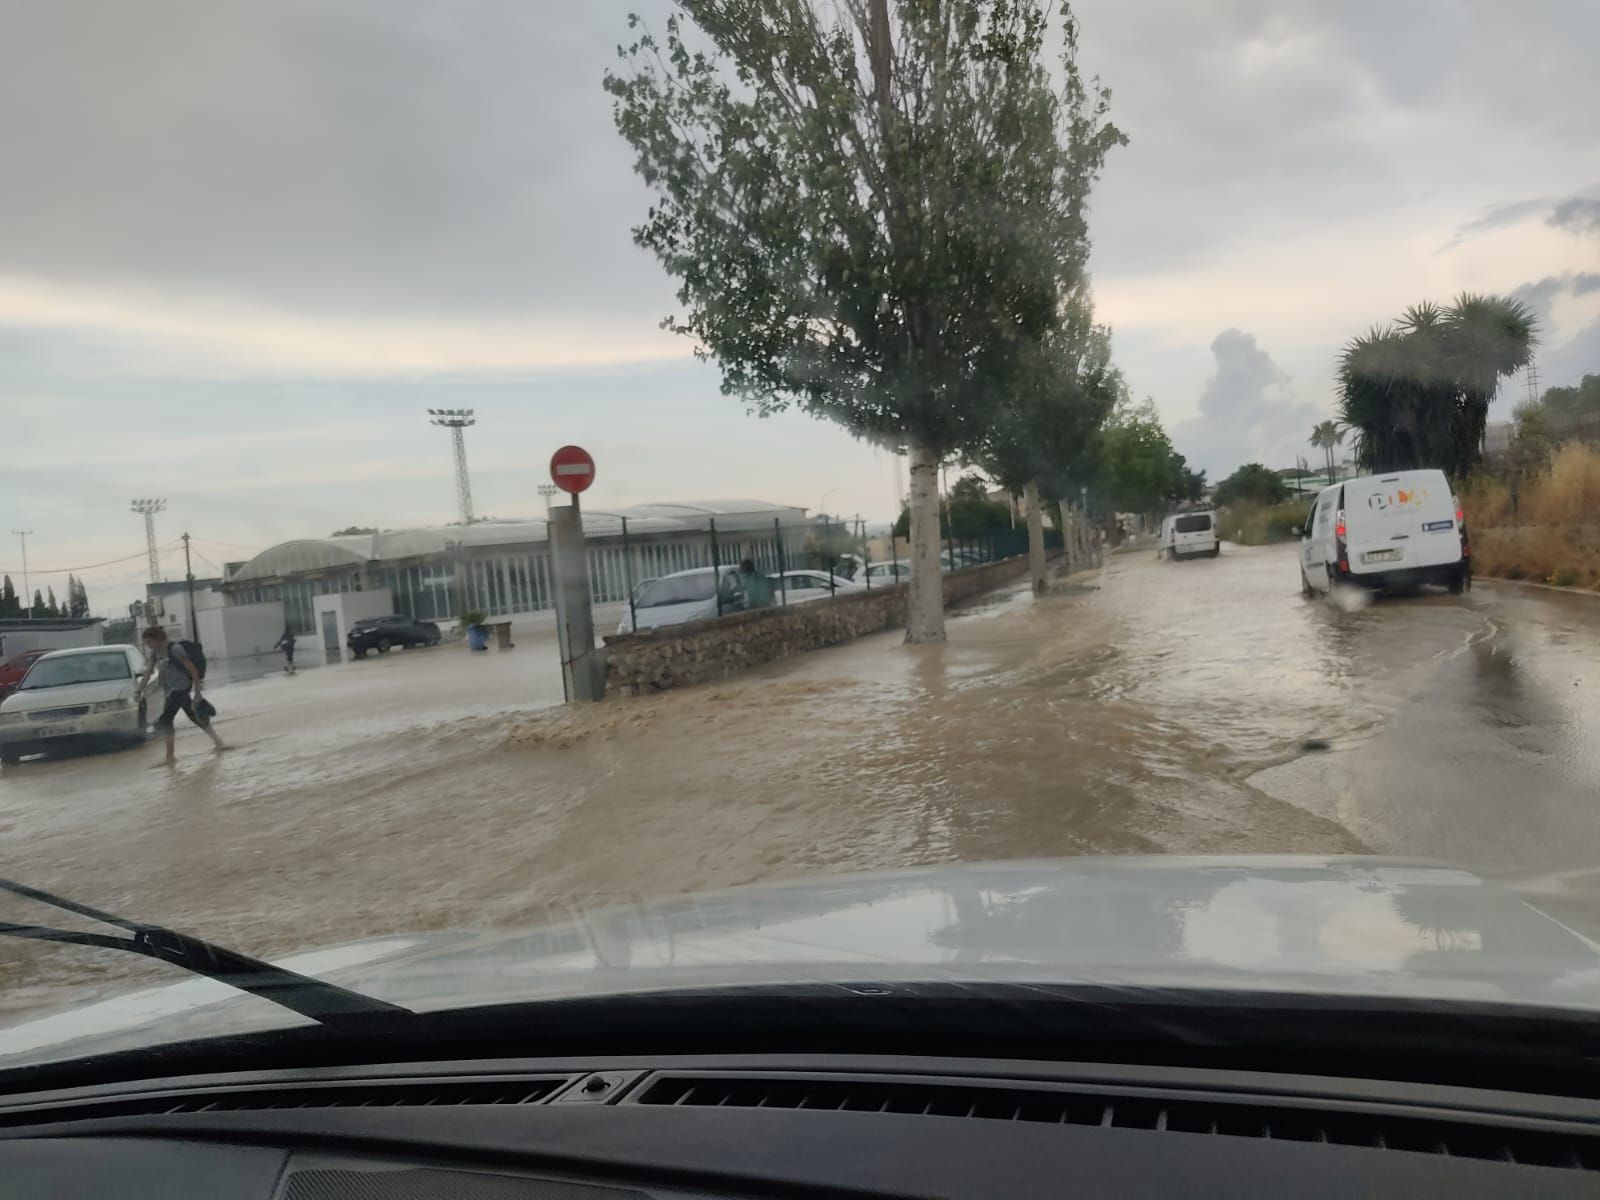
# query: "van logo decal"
[[1378, 501], [1436, 526]]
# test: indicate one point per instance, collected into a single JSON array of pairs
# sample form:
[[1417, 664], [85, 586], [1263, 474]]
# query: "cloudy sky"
[[243, 246]]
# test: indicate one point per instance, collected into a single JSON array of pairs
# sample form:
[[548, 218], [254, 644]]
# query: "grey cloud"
[[1498, 216], [1541, 295], [1263, 118], [370, 156], [1578, 215], [1248, 411]]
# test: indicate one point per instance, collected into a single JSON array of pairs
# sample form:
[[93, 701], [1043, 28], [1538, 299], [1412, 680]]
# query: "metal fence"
[[819, 560], [804, 561]]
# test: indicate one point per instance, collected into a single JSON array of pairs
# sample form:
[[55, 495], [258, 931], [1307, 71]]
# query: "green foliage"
[[1193, 486], [77, 603], [1252, 524], [966, 517], [10, 606], [1533, 442], [352, 531], [1417, 393], [1325, 435], [1255, 483], [1138, 467], [39, 608], [1574, 403], [1057, 396], [870, 209], [970, 487]]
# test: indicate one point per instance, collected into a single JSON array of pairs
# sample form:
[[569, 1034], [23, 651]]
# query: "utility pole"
[[188, 574], [456, 420], [27, 595], [148, 507]]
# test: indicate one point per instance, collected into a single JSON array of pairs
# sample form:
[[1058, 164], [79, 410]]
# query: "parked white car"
[[889, 573], [1189, 535], [1381, 531], [684, 596], [72, 698], [797, 587]]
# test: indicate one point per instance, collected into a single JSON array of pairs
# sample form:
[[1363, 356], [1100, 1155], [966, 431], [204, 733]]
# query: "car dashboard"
[[755, 1125]]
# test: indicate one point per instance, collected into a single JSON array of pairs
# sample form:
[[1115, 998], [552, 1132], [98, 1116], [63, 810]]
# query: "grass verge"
[[1545, 528], [1251, 524]]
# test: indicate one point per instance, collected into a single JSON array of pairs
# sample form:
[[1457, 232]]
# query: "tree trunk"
[[1030, 496], [925, 607]]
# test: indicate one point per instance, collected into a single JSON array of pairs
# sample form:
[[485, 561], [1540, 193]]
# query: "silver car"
[[70, 698]]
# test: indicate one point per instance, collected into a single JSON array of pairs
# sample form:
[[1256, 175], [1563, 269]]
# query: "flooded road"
[[1197, 707]]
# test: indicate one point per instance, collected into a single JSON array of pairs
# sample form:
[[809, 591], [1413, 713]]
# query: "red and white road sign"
[[571, 469]]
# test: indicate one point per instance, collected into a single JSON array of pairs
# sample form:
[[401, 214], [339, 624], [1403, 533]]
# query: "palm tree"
[[1417, 393], [1325, 435]]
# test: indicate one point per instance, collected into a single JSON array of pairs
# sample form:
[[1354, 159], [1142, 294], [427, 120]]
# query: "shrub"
[[1252, 482]]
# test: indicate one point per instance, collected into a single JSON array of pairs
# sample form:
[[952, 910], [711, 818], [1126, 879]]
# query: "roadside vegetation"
[[1540, 522], [1251, 523]]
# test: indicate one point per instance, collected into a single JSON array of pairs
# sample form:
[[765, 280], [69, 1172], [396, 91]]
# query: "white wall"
[[241, 631], [13, 641], [347, 608]]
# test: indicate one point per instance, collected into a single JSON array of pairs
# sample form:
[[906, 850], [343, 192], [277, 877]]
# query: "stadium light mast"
[[456, 420], [148, 507]]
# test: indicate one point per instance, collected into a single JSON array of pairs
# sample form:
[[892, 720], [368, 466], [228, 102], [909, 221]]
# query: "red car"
[[14, 668]]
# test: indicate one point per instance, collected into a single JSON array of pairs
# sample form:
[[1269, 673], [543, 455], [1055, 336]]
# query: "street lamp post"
[[456, 420], [148, 507], [548, 491], [27, 596]]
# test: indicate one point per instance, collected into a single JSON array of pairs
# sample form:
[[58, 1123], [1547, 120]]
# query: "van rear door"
[[1397, 521]]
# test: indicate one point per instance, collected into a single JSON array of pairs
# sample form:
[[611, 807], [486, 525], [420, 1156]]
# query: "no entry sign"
[[571, 469]]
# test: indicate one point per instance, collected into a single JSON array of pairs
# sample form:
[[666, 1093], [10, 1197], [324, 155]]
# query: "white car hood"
[[63, 697], [1356, 927]]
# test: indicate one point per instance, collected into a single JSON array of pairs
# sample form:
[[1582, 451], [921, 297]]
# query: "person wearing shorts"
[[180, 682]]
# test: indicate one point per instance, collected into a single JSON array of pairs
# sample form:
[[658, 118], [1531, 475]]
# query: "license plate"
[[1380, 556], [45, 731]]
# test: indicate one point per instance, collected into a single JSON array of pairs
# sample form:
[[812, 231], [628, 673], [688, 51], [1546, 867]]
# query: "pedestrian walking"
[[757, 587], [181, 679], [286, 644]]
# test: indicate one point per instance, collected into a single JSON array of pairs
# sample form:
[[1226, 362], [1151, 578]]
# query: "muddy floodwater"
[[1149, 707]]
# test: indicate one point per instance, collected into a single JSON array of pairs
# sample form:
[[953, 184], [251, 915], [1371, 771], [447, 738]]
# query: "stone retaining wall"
[[683, 654]]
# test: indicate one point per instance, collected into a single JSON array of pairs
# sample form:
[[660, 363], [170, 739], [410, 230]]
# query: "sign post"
[[582, 668]]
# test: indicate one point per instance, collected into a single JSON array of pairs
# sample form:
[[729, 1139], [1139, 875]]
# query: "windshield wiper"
[[324, 1002]]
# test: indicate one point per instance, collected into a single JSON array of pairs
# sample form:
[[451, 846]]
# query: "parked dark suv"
[[381, 633]]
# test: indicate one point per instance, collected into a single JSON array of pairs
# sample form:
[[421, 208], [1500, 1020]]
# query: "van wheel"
[[10, 757], [1216, 550], [1461, 581], [1305, 585]]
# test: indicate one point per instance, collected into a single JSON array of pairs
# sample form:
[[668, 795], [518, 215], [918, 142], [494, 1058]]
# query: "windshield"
[[76, 668], [685, 589], [616, 484]]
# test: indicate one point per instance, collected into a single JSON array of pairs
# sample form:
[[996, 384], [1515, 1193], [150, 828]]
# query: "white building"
[[502, 568]]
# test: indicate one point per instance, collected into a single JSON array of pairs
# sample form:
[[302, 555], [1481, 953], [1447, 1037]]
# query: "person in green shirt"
[[757, 588]]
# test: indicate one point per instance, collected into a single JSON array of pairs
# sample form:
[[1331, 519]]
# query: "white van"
[[1186, 535], [1380, 531]]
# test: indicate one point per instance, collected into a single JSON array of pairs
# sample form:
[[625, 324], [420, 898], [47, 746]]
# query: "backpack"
[[194, 653]]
